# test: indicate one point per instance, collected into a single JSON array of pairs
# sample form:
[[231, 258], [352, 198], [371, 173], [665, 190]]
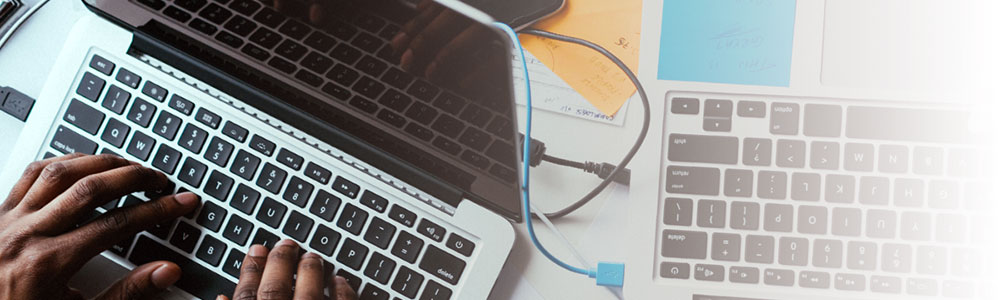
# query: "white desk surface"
[[29, 55]]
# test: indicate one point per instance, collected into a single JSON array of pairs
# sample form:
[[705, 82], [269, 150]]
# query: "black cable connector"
[[603, 170]]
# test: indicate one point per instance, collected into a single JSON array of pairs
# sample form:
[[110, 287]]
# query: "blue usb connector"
[[609, 274]]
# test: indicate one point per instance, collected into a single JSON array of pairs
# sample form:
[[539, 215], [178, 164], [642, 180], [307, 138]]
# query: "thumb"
[[144, 282]]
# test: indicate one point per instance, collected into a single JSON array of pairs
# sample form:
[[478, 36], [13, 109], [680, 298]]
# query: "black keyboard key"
[[450, 103], [141, 146], [90, 86], [235, 132], [402, 215], [271, 212], [282, 65], [504, 173], [83, 116], [115, 132], [475, 159], [325, 205], [448, 126], [421, 113], [211, 251], [177, 14], [423, 90], [265, 38], [271, 178], [256, 52], [420, 132], [269, 17], [241, 26], [245, 165], [352, 219], [128, 78], [233, 263], [294, 29], [460, 244], [476, 115], [395, 100], [203, 27], [368, 87], [317, 62], [166, 159], [320, 41], [298, 226], [141, 112], [374, 201], [324, 240], [343, 75], [380, 268], [162, 230], [246, 7], [291, 50], [397, 78], [131, 201], [370, 22], [154, 91], [219, 151], [352, 254], [389, 32], [392, 118], [185, 237], [192, 172], [388, 53], [238, 230], [346, 187], [475, 139], [407, 282], [435, 291], [290, 159], [342, 31], [265, 238], [245, 199], [501, 127], [197, 280], [154, 4], [318, 173], [353, 281], [193, 138], [167, 125], [298, 191], [380, 233], [431, 230], [102, 65], [407, 247], [208, 118], [309, 78], [364, 105], [367, 42], [191, 5], [116, 99], [443, 265], [218, 186], [181, 105], [346, 54], [371, 66], [501, 152], [229, 39], [216, 14], [67, 141], [447, 145], [336, 91], [211, 216]]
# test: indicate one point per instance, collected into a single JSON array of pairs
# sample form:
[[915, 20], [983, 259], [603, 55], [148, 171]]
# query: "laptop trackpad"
[[903, 44]]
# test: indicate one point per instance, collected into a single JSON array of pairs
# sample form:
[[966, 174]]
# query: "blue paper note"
[[727, 41]]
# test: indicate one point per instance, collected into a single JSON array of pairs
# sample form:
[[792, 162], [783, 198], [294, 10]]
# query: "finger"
[[94, 190], [456, 59], [144, 282], [309, 281], [318, 12], [281, 263], [342, 290], [251, 273], [28, 178], [401, 41], [107, 230]]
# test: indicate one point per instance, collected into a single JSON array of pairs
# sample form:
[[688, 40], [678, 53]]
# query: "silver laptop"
[[869, 173], [404, 183]]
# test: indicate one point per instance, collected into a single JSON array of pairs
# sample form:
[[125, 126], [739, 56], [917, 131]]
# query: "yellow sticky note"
[[615, 25]]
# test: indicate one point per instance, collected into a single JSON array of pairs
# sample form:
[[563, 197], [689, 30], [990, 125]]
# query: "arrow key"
[[709, 272]]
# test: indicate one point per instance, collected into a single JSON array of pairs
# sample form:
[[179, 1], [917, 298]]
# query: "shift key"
[[693, 180], [703, 149]]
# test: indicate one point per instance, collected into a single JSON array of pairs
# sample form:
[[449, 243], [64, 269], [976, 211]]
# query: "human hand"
[[40, 246], [269, 276]]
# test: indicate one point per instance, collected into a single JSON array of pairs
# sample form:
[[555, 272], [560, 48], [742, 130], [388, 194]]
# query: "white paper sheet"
[[551, 93]]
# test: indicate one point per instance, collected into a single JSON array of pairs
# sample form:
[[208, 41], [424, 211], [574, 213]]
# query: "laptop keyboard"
[[254, 191], [354, 63], [821, 194]]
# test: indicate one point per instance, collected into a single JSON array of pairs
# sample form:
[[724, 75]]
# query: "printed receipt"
[[551, 93]]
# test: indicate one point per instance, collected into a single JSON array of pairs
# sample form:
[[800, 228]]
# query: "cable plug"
[[609, 274], [603, 170]]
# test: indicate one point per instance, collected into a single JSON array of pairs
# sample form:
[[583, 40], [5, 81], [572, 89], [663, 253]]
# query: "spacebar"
[[195, 279]]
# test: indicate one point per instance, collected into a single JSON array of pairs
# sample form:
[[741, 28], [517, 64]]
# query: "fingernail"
[[186, 198], [406, 60], [398, 39], [340, 280], [432, 69], [165, 275], [310, 255], [258, 251], [287, 242], [220, 297]]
